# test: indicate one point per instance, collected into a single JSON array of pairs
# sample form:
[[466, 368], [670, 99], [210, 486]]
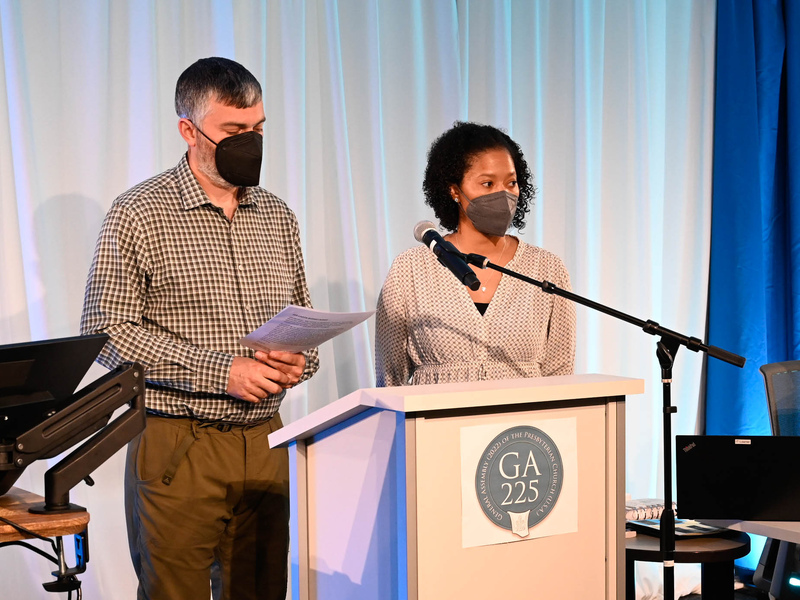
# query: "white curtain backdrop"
[[611, 101]]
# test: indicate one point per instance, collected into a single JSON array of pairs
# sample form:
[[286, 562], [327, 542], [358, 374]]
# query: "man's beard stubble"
[[207, 164]]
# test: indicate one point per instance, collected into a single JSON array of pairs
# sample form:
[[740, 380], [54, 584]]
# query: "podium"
[[398, 493]]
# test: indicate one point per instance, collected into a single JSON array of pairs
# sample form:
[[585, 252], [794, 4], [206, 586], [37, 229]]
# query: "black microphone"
[[425, 232]]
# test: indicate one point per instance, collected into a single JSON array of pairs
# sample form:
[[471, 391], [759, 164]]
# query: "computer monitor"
[[742, 477], [41, 415], [37, 378]]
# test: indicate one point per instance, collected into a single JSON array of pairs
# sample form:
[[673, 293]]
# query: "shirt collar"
[[193, 194]]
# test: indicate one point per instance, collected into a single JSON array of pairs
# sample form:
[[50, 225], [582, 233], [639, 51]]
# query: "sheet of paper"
[[297, 328]]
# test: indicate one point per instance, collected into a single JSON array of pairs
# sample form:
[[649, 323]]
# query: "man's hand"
[[290, 364], [272, 372]]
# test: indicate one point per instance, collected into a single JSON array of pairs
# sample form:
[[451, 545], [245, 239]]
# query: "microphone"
[[425, 232]]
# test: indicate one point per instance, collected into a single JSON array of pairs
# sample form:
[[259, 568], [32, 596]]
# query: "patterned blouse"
[[428, 329]]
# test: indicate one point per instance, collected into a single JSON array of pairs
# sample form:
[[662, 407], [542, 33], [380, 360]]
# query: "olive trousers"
[[201, 494]]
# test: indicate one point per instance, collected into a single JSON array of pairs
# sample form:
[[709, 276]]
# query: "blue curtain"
[[754, 295], [754, 307]]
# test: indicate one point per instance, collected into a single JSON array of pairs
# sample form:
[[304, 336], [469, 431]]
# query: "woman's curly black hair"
[[450, 157]]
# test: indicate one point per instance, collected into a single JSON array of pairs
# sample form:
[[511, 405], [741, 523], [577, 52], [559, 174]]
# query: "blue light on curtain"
[[754, 308]]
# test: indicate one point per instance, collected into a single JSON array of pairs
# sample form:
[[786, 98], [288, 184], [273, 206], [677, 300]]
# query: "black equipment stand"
[[666, 348], [49, 431]]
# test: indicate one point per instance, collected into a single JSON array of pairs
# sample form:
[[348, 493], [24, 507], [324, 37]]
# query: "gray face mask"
[[492, 213]]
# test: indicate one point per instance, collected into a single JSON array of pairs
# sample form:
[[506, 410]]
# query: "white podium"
[[385, 507]]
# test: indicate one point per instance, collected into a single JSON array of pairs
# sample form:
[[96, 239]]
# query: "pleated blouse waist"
[[453, 372]]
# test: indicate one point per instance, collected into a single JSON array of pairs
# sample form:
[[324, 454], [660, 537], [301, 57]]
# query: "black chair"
[[779, 566]]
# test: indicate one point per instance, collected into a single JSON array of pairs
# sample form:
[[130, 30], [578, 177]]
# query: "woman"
[[432, 329]]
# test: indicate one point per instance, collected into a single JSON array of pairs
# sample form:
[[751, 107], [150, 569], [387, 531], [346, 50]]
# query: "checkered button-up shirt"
[[175, 285]]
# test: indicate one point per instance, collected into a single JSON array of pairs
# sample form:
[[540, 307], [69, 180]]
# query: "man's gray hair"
[[214, 78]]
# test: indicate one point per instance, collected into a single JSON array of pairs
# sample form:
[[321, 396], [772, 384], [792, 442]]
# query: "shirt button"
[[241, 267]]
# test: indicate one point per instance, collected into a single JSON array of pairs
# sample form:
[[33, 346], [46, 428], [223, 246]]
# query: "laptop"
[[752, 478]]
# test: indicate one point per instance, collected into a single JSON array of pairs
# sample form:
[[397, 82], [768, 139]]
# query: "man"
[[187, 263]]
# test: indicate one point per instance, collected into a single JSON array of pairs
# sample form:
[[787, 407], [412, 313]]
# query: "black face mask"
[[238, 157]]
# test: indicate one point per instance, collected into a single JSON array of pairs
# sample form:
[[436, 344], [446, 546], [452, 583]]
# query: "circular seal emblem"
[[519, 478]]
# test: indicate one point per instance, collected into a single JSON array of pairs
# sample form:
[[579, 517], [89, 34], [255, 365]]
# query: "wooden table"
[[715, 555], [14, 506]]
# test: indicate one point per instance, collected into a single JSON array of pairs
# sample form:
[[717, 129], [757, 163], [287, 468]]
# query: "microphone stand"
[[666, 348]]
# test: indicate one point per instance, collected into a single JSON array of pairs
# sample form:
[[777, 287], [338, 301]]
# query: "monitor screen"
[[738, 477], [39, 377]]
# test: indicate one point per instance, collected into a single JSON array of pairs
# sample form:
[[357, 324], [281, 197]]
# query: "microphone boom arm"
[[651, 327]]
